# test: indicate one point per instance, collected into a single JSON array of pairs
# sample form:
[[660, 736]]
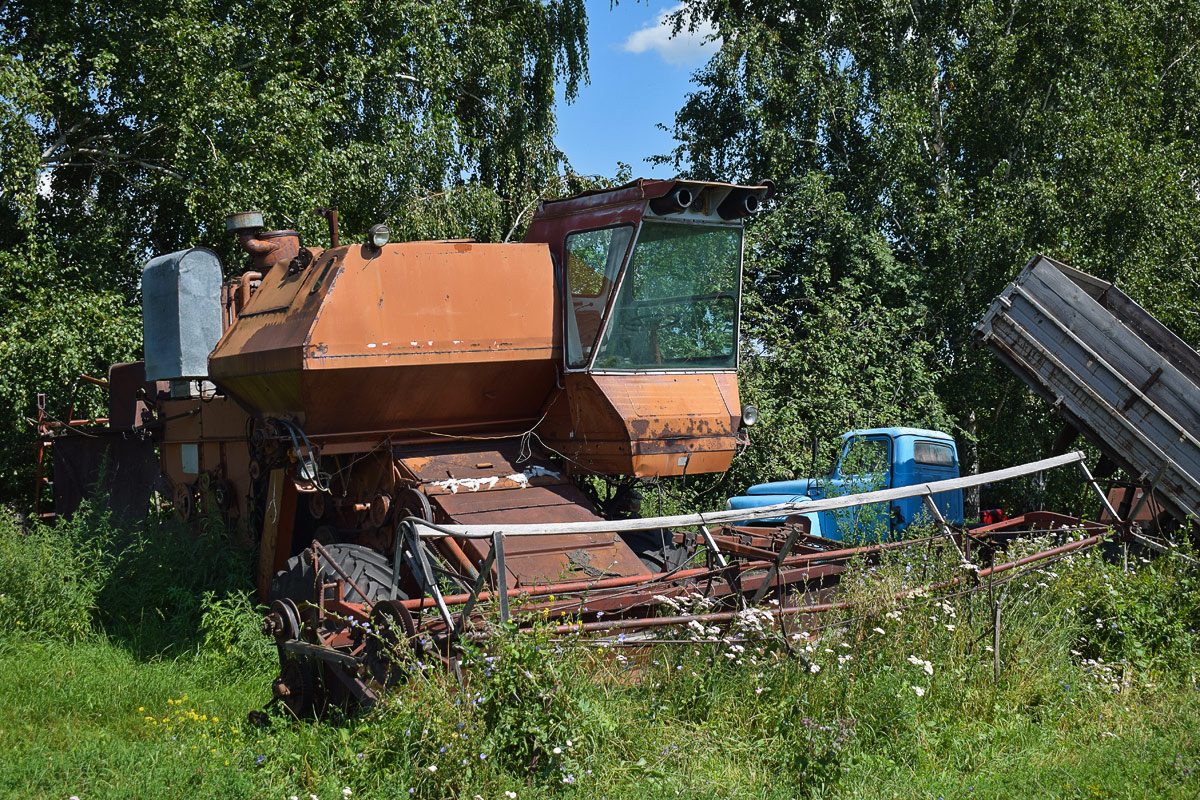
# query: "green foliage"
[[163, 581], [46, 341], [231, 632], [527, 706], [847, 362], [1147, 616], [153, 586], [888, 697], [50, 580], [925, 151]]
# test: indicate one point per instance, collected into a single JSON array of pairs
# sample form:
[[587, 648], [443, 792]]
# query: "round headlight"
[[378, 235], [749, 416]]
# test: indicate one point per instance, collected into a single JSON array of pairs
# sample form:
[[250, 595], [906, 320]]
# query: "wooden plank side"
[[1129, 387], [1118, 345], [1154, 333]]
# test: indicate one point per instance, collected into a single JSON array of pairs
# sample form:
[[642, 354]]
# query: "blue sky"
[[639, 77]]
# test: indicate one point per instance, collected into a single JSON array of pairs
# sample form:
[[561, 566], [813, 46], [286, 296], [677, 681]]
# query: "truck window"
[[865, 457], [593, 263], [937, 455]]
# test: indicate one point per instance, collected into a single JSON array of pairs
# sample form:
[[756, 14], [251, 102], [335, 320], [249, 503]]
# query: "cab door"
[[865, 466]]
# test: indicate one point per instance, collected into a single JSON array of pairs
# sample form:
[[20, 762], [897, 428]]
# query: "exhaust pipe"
[[267, 247], [672, 203], [738, 204]]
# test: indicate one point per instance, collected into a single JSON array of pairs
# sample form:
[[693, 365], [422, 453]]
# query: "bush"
[[149, 584], [231, 631], [51, 580], [1147, 615], [154, 597]]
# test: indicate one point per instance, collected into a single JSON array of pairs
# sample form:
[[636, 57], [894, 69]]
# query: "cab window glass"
[[937, 455], [865, 457], [593, 263], [678, 301]]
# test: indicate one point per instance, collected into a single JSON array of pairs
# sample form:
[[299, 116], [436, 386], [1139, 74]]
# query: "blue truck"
[[871, 459]]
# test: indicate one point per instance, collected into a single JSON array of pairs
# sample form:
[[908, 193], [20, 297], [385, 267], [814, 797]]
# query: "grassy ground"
[[124, 693]]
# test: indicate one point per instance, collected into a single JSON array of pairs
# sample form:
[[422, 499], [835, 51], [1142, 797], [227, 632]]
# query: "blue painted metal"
[[915, 456]]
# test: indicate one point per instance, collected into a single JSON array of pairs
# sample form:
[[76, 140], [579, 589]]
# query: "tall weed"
[[51, 580], [146, 584]]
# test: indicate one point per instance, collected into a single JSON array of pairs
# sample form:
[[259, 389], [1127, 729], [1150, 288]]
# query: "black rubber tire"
[[369, 569], [655, 549]]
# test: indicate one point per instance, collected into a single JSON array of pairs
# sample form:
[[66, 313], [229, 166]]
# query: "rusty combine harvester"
[[406, 431]]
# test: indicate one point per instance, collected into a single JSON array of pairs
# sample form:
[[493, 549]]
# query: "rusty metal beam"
[[729, 616]]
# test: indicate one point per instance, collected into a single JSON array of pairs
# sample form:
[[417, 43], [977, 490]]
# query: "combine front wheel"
[[370, 570], [298, 686], [392, 630]]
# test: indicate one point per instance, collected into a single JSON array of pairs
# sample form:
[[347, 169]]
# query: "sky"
[[640, 75]]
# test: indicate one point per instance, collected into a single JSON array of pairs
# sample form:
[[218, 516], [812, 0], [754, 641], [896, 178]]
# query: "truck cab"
[[871, 459]]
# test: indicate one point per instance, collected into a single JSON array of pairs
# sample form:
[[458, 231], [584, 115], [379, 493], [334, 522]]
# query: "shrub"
[[231, 631], [51, 579], [144, 583], [1147, 615]]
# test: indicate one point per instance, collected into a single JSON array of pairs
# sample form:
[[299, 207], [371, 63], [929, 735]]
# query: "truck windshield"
[[677, 305]]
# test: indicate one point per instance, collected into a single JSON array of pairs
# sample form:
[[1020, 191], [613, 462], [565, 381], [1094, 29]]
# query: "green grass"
[[1097, 697]]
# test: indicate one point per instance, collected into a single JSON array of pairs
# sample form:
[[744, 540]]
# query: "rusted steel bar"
[[244, 290], [1148, 493], [1037, 521], [571, 587], [738, 549], [457, 555], [730, 575], [729, 616], [75, 423], [1087, 477], [774, 569], [717, 555], [318, 548]]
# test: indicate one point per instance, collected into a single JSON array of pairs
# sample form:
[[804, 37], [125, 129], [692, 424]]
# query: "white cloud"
[[684, 48]]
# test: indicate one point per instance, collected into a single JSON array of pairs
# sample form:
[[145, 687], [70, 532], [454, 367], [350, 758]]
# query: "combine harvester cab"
[[459, 382]]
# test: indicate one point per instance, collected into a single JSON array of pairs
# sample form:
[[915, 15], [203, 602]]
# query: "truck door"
[[865, 466]]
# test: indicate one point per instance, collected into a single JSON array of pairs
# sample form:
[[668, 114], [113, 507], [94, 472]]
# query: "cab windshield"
[[677, 304]]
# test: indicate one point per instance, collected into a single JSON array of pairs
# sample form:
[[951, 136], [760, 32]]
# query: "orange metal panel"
[[482, 483], [647, 424], [412, 336]]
